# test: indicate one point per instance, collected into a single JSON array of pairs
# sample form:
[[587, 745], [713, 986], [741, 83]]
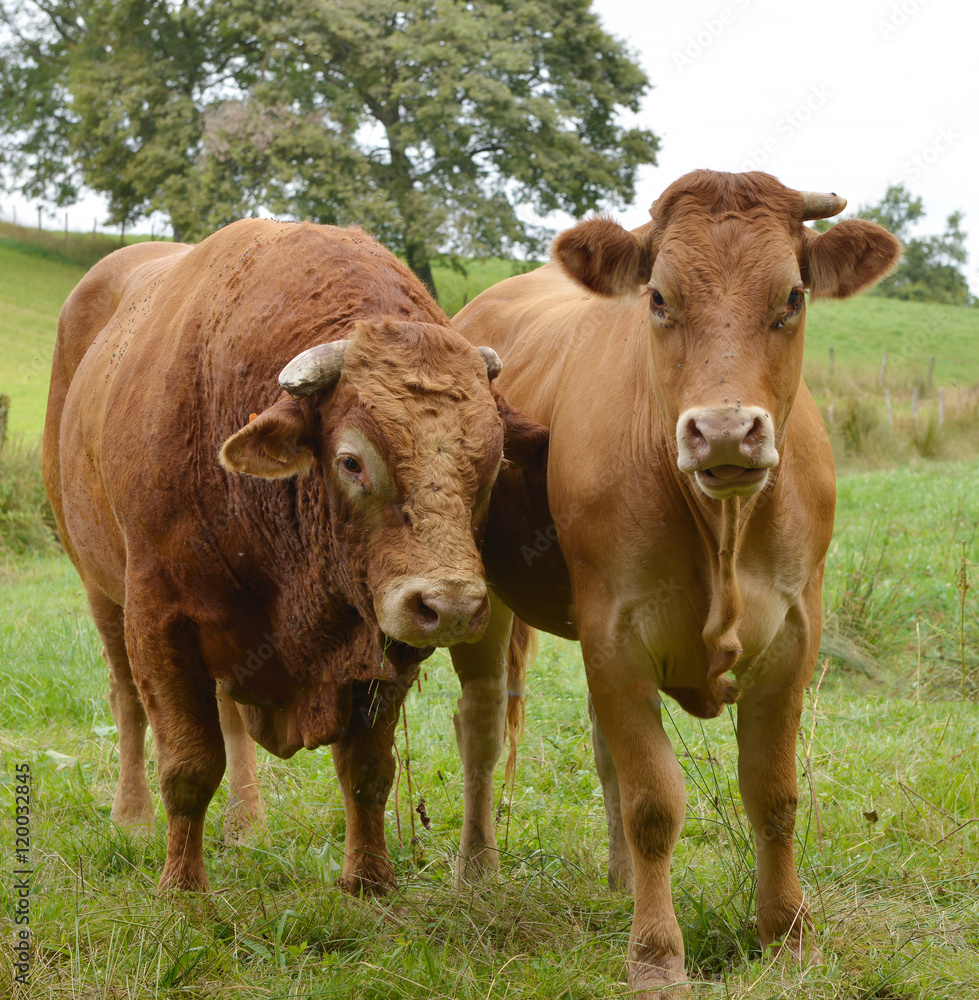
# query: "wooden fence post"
[[4, 411]]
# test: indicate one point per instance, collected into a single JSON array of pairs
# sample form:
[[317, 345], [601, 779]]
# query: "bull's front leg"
[[179, 697], [652, 797], [480, 721], [364, 761], [768, 725]]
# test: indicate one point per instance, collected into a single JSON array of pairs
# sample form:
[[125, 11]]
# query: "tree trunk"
[[422, 268]]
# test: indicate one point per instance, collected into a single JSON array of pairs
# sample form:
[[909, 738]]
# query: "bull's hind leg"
[[480, 723], [132, 806], [183, 713], [244, 811], [364, 762]]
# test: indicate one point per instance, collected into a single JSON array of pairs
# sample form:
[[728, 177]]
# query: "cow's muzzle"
[[424, 612], [729, 450]]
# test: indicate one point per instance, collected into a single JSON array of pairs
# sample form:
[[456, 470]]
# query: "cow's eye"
[[350, 464], [659, 305], [792, 308]]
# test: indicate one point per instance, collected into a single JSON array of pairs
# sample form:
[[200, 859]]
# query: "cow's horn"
[[493, 363], [317, 368], [821, 206]]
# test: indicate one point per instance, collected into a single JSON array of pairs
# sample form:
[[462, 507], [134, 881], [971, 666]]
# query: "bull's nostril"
[[480, 614], [426, 617]]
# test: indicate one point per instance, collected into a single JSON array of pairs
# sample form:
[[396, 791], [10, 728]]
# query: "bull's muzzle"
[[729, 450], [425, 612]]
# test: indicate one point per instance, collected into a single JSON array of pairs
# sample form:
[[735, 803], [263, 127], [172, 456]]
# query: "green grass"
[[896, 897]]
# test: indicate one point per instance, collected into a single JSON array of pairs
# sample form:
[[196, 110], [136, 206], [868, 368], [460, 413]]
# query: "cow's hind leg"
[[480, 723], [364, 762], [183, 713], [244, 811], [132, 806], [619, 854]]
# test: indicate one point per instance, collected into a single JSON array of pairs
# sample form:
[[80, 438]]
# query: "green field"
[[888, 831]]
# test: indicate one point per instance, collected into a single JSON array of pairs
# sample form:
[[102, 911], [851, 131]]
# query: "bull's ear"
[[852, 255], [604, 257], [524, 440], [272, 445]]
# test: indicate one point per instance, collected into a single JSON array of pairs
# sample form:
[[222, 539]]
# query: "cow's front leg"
[[244, 811], [768, 724], [653, 802], [183, 713], [364, 762], [480, 721]]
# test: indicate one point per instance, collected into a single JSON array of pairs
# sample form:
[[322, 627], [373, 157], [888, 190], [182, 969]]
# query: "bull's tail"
[[520, 655]]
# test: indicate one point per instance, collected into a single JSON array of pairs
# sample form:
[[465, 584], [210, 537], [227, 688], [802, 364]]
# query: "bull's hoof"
[[377, 880], [187, 878]]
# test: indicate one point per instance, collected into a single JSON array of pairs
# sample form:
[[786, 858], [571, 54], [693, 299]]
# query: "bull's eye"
[[658, 299], [350, 464]]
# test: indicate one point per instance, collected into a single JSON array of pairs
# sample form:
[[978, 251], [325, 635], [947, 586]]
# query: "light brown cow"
[[313, 568], [691, 492]]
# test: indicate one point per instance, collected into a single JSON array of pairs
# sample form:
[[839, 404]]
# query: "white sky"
[[834, 95], [841, 95]]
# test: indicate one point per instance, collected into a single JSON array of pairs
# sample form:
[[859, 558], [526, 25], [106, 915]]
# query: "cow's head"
[[408, 433], [725, 265]]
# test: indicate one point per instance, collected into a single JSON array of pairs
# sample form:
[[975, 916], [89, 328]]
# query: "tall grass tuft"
[[26, 519]]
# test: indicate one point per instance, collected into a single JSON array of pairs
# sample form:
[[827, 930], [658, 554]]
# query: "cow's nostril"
[[481, 612]]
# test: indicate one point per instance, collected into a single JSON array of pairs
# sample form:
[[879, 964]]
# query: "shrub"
[[26, 519]]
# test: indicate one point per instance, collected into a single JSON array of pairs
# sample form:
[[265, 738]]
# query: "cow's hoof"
[[660, 979], [798, 947], [476, 866], [138, 820], [240, 828], [620, 878]]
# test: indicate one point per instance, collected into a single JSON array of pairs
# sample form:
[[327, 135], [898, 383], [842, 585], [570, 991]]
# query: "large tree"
[[931, 268], [431, 122]]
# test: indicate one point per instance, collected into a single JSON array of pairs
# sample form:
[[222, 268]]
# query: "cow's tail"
[[520, 655]]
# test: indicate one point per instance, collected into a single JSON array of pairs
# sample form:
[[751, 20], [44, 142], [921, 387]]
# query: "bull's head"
[[725, 265], [404, 426]]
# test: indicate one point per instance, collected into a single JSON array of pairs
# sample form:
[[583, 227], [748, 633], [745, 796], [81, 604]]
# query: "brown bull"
[[307, 572], [691, 492]]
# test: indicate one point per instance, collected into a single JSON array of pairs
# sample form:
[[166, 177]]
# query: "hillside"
[[34, 284]]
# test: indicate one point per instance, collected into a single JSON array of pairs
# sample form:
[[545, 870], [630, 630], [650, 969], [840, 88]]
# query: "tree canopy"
[[931, 269], [430, 122]]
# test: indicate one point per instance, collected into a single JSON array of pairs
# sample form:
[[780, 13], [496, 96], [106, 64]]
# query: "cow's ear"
[[604, 257], [271, 445], [852, 255], [524, 440]]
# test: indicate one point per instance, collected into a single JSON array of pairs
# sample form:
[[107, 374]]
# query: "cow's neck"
[[722, 525]]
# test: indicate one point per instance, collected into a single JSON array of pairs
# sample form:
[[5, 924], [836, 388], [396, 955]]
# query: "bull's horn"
[[317, 368], [493, 363], [821, 206]]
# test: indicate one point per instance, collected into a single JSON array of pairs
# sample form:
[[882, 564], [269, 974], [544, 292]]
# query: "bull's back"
[[88, 311]]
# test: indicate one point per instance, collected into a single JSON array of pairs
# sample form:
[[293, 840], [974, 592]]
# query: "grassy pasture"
[[888, 832]]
